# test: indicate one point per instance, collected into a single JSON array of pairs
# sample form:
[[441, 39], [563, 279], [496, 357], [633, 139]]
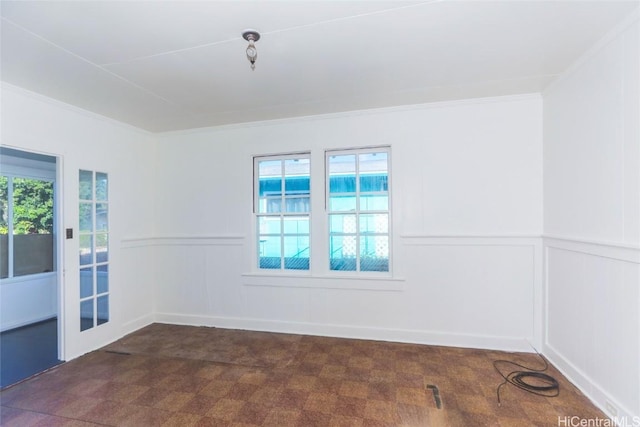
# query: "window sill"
[[284, 280]]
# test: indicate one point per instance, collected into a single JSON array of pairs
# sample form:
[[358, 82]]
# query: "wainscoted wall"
[[28, 299], [592, 222], [593, 319], [466, 191], [460, 291]]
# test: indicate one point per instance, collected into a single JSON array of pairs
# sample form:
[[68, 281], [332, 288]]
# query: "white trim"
[[590, 389], [628, 253], [470, 240], [355, 332], [356, 282], [135, 324]]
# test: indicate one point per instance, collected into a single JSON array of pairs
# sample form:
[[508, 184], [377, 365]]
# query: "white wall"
[[467, 210], [592, 222], [27, 299], [82, 140]]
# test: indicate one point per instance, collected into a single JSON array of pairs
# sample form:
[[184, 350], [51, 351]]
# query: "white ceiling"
[[170, 65]]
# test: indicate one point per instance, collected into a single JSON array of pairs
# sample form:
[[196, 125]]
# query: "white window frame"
[[358, 212], [25, 169], [282, 214]]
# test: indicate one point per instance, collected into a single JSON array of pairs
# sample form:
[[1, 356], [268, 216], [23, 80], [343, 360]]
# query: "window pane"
[[86, 217], [373, 183], [297, 204], [102, 247], [86, 314], [342, 253], [32, 206], [373, 162], [342, 203], [269, 224], [270, 205], [270, 177], [374, 223], [86, 185], [296, 252], [342, 223], [86, 282], [270, 252], [374, 253], [102, 217], [103, 309], [342, 172], [101, 186], [374, 203], [103, 279], [296, 225], [86, 249], [342, 184], [296, 173]]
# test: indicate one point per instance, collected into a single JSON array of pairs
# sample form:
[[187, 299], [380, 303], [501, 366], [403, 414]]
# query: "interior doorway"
[[29, 281]]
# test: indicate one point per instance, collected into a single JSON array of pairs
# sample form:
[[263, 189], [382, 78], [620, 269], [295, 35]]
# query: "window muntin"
[[358, 210], [93, 248], [281, 207]]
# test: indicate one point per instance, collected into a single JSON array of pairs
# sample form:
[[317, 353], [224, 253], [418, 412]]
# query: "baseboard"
[[138, 323], [607, 403], [355, 332]]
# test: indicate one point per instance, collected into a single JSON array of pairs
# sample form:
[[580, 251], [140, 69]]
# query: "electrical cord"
[[542, 385]]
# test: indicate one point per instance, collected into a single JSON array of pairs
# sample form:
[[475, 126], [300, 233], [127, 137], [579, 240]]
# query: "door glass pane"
[[101, 186], [102, 247], [86, 217], [103, 279], [4, 227], [86, 249], [86, 185], [86, 314], [103, 309], [86, 282], [102, 214]]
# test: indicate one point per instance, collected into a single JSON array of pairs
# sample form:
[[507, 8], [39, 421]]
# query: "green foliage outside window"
[[32, 206]]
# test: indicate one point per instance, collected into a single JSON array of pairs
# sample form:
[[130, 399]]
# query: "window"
[[94, 249], [26, 226], [358, 209], [281, 207]]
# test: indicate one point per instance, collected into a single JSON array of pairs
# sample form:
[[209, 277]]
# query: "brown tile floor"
[[167, 375]]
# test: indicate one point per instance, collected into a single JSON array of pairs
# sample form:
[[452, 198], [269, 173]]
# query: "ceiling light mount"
[[251, 36]]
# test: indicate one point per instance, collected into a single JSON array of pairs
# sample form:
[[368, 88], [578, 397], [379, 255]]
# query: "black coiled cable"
[[544, 385]]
